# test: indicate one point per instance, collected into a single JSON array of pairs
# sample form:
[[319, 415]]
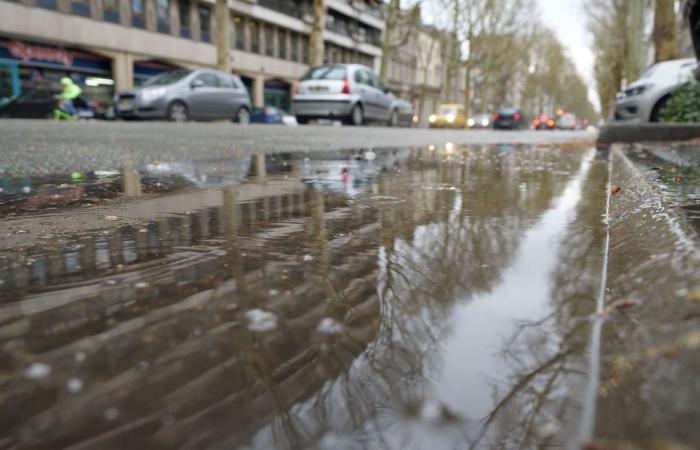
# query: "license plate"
[[318, 88], [125, 104]]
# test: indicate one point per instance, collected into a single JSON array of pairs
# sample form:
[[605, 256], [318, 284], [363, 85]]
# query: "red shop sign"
[[26, 52]]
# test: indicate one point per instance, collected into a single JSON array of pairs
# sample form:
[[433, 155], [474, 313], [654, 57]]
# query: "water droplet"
[[74, 385], [37, 371], [259, 320]]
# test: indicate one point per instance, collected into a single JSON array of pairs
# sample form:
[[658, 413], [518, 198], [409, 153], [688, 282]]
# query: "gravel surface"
[[36, 147]]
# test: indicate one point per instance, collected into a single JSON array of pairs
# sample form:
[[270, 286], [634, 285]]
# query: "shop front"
[[37, 68]]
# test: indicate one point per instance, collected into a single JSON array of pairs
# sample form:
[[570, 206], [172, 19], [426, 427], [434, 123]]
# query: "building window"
[[111, 11], [204, 23], [282, 43], [239, 31], [162, 11], [137, 14], [305, 49], [254, 37], [294, 42], [269, 40], [185, 22], [48, 4], [80, 8]]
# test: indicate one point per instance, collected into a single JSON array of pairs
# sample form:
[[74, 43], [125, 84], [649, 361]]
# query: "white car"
[[645, 99]]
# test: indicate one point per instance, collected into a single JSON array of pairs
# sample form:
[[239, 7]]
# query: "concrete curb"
[[648, 132]]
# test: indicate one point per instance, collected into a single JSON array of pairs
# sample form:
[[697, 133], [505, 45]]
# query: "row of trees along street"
[[502, 49]]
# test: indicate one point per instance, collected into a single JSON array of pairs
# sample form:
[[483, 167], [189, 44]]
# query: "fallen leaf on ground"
[[615, 189]]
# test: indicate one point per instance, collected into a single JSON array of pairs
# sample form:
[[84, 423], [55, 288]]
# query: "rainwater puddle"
[[424, 298]]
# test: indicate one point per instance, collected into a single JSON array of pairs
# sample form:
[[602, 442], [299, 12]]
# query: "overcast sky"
[[567, 19]]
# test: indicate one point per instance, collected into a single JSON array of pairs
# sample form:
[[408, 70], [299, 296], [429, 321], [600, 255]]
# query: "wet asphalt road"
[[37, 147]]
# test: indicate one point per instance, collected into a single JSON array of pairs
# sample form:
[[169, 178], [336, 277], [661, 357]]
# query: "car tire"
[[393, 119], [177, 112], [242, 116], [302, 120], [656, 112], [357, 116]]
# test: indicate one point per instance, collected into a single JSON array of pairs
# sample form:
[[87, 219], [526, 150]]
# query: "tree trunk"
[[665, 44], [392, 12], [316, 45], [223, 31]]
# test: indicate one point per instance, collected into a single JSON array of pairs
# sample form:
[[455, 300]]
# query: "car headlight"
[[485, 123], [432, 118], [470, 122], [637, 90], [450, 118], [148, 95]]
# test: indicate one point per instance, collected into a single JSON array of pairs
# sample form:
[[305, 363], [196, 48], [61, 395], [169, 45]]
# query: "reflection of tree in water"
[[447, 236], [538, 406]]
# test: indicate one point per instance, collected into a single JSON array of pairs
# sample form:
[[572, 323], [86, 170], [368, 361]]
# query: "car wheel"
[[243, 116], [357, 116], [302, 120], [177, 112], [657, 113], [393, 119]]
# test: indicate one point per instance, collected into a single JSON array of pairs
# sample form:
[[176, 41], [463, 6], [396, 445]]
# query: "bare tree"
[[665, 42], [398, 27], [223, 31], [316, 44]]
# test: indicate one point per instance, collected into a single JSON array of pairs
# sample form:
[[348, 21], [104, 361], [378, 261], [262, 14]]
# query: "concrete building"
[[108, 45]]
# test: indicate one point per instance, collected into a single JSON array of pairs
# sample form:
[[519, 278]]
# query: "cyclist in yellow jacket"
[[71, 91]]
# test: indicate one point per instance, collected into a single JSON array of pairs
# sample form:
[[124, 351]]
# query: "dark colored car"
[[508, 119], [544, 122], [41, 104]]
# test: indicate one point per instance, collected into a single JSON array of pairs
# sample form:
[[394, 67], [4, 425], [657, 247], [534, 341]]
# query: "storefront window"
[[184, 9], [239, 32], [204, 25], [269, 40], [162, 9], [254, 37], [111, 11], [80, 8], [137, 14]]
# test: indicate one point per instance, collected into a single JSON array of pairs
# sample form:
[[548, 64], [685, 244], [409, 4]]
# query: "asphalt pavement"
[[36, 147]]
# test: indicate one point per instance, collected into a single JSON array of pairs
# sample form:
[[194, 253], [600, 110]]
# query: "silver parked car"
[[645, 99], [352, 93], [181, 95]]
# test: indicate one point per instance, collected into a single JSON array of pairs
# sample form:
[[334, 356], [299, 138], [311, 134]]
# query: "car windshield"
[[507, 111], [326, 73], [167, 78], [447, 110]]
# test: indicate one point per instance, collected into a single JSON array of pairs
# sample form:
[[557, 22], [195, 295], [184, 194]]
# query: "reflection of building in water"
[[169, 327]]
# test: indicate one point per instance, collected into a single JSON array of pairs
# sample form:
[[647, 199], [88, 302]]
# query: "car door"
[[229, 99], [364, 90], [242, 97], [383, 98], [370, 98], [203, 97]]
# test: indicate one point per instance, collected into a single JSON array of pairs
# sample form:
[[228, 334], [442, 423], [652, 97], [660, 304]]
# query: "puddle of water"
[[421, 298]]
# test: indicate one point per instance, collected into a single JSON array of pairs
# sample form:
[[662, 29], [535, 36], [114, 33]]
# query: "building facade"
[[108, 45]]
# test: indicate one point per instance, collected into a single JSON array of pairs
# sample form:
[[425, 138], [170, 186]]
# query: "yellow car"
[[448, 116]]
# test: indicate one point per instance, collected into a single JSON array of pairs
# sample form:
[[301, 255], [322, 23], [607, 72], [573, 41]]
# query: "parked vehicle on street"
[[352, 93], [272, 115], [645, 99], [405, 112], [567, 121], [448, 116], [42, 104], [508, 118], [182, 95], [479, 121]]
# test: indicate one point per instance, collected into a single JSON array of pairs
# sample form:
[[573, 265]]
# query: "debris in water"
[[308, 258], [329, 326], [259, 320], [615, 189], [37, 371], [112, 218], [74, 385]]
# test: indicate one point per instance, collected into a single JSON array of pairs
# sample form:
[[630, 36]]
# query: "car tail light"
[[346, 87], [517, 116], [297, 85], [495, 116], [536, 122], [550, 123]]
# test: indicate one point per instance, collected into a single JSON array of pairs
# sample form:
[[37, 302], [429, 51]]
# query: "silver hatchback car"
[[645, 99], [181, 95], [352, 93]]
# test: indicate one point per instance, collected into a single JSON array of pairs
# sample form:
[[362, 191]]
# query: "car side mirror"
[[196, 84]]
